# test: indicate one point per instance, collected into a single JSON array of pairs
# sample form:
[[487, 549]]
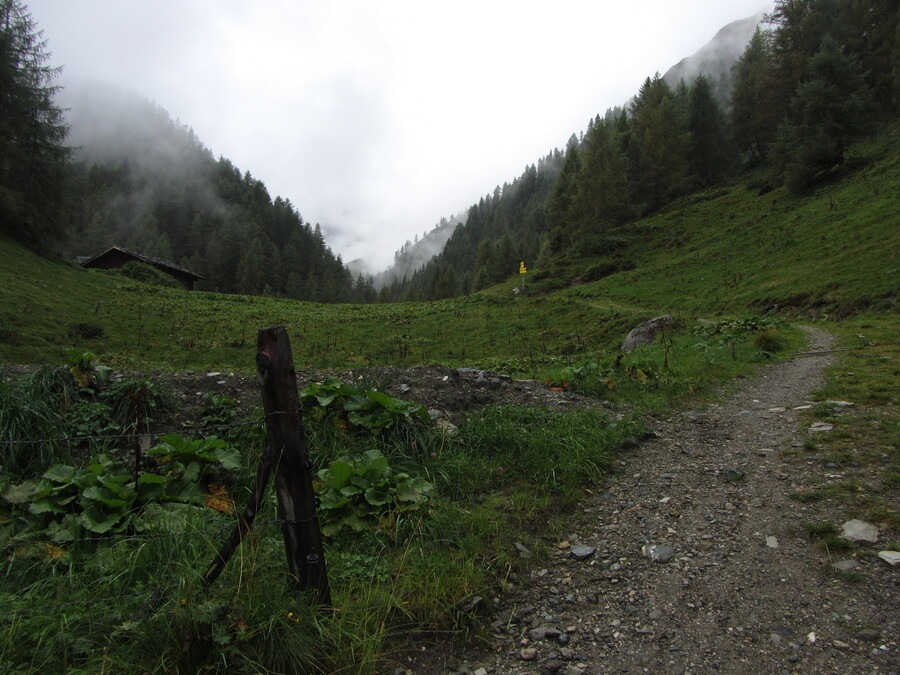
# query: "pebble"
[[528, 654], [869, 635], [582, 552], [772, 542], [523, 550], [658, 552], [846, 565]]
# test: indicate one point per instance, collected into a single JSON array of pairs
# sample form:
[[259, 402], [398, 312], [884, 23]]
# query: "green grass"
[[508, 475]]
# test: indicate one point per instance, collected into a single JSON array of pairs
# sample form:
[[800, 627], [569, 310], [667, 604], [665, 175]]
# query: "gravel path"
[[744, 591]]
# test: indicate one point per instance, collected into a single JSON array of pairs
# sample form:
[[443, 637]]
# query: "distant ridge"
[[715, 58]]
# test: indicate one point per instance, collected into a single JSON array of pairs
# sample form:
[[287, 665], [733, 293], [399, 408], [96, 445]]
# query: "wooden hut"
[[115, 257]]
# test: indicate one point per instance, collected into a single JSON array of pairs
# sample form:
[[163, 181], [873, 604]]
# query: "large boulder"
[[647, 332]]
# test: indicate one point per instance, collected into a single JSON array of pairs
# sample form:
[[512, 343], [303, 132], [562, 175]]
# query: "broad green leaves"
[[365, 493]]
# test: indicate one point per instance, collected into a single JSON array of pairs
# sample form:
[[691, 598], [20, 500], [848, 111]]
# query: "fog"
[[376, 119]]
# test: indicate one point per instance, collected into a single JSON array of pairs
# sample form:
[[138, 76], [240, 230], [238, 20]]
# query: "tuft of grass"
[[820, 530], [832, 542], [768, 341]]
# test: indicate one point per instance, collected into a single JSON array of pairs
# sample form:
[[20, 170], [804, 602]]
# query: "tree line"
[[148, 184], [820, 74]]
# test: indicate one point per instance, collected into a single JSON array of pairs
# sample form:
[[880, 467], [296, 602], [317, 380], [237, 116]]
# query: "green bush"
[[148, 275]]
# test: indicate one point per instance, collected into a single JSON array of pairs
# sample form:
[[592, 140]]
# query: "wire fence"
[[20, 542], [206, 428]]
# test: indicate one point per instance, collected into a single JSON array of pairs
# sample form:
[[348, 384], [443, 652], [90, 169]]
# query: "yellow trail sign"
[[522, 269]]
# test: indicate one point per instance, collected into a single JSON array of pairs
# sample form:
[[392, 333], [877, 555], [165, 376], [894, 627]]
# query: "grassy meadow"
[[103, 573]]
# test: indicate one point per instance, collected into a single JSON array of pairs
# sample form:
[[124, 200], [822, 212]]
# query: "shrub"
[[767, 341], [148, 275]]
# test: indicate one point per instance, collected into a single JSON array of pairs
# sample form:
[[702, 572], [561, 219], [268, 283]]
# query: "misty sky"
[[376, 118]]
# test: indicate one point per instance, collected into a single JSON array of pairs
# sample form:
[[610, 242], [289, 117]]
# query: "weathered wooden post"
[[293, 469]]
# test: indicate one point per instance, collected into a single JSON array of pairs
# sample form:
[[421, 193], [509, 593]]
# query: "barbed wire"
[[56, 605], [259, 524], [134, 434]]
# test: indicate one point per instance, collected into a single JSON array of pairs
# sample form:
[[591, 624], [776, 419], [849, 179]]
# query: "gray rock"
[[869, 635], [658, 552], [471, 605], [646, 333], [892, 558], [582, 552], [846, 565], [542, 633], [859, 530]]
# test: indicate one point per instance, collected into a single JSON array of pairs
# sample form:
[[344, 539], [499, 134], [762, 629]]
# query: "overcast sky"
[[377, 117]]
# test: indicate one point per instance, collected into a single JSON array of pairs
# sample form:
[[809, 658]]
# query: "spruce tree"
[[710, 149], [832, 106], [33, 159]]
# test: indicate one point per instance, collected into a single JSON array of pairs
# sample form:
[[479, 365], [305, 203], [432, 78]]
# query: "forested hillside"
[[819, 75], [93, 166], [146, 182]]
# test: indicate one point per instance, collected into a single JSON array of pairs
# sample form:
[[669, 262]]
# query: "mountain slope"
[[146, 182], [460, 268], [715, 58]]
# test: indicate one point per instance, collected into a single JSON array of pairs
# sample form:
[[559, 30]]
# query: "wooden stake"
[[293, 470]]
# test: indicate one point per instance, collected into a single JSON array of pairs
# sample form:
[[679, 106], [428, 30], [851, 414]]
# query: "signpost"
[[523, 271]]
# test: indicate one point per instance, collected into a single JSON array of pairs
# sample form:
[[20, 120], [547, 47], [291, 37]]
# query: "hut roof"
[[140, 257]]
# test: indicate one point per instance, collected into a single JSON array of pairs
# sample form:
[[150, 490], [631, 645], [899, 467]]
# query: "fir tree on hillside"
[[33, 159]]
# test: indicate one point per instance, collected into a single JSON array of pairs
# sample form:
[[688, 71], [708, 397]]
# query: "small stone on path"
[[846, 565], [658, 552], [890, 557], [771, 542], [859, 530], [582, 552]]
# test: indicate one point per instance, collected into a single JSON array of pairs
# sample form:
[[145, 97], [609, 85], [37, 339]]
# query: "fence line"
[[137, 535], [56, 605], [155, 434]]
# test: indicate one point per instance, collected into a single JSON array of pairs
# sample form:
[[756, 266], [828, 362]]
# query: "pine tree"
[[659, 145], [710, 151], [754, 114], [832, 106], [604, 192], [33, 158]]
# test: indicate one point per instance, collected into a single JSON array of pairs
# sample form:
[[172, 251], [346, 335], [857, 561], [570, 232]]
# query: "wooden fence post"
[[293, 469]]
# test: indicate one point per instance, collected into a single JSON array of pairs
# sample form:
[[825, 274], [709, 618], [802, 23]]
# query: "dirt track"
[[745, 590]]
